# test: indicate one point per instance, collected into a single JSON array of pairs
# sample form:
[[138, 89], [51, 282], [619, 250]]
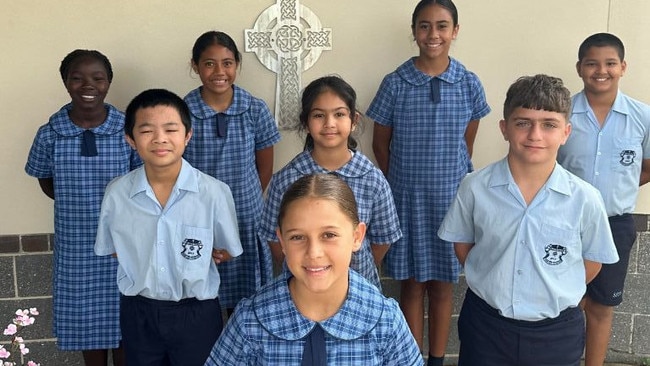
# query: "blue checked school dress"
[[371, 191], [268, 329], [428, 158], [85, 294], [223, 145]]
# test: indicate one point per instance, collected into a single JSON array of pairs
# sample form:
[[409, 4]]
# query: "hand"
[[220, 255]]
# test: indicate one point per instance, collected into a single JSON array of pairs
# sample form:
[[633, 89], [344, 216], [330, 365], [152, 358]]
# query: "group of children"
[[145, 262]]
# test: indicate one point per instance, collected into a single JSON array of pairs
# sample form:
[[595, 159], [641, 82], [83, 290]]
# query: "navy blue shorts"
[[158, 332], [489, 339], [607, 287]]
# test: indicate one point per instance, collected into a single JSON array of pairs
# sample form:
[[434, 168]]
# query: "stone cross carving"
[[288, 39]]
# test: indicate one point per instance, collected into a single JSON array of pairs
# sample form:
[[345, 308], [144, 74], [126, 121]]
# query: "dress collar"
[[241, 102], [358, 315], [63, 125], [358, 166], [411, 74]]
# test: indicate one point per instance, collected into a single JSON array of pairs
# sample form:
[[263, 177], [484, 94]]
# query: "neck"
[[162, 180], [530, 177], [88, 118], [218, 102], [432, 66], [318, 306], [331, 159]]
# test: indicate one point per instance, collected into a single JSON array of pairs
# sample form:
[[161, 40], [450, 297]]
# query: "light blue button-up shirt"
[[610, 157], [528, 260], [164, 253]]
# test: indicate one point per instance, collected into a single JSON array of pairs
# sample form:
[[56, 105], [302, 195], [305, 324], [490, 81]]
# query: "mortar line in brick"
[[630, 339], [25, 254], [15, 273], [26, 298]]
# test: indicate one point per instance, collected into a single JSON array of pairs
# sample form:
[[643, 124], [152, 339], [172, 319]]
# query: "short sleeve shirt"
[[164, 253], [609, 157], [527, 261]]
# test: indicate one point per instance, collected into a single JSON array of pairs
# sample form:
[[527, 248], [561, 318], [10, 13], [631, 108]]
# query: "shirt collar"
[[557, 181], [412, 75], [581, 105], [359, 314], [186, 181]]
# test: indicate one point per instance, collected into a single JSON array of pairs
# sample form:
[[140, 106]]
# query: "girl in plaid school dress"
[[74, 156], [329, 116], [319, 312], [427, 114], [233, 140]]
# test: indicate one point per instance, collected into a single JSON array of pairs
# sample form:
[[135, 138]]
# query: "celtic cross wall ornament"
[[288, 39]]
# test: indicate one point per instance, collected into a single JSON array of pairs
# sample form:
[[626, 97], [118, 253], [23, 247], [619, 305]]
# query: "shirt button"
[[162, 269], [161, 243], [519, 271], [597, 173], [598, 153]]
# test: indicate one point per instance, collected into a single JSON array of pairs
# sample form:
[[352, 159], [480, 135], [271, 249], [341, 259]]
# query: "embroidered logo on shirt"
[[627, 157], [192, 249], [554, 254]]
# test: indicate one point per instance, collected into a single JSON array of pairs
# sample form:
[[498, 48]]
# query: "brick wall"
[[26, 281]]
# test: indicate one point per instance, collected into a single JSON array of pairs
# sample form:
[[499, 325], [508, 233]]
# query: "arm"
[[379, 250], [47, 186], [462, 251], [645, 172], [381, 137], [220, 255], [470, 135], [264, 164], [591, 270]]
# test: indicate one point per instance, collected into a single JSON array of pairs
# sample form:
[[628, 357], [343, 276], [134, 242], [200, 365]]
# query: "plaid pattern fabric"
[[268, 329], [374, 201], [428, 158], [86, 298], [231, 159]]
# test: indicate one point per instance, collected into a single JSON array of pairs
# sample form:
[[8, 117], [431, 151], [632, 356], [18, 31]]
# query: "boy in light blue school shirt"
[[611, 157], [609, 148], [176, 240], [169, 226], [530, 236]]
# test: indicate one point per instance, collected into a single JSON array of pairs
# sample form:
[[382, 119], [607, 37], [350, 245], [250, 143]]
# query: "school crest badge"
[[627, 157], [192, 249], [554, 254]]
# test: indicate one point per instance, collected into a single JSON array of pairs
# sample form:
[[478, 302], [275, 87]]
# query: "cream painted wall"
[[149, 43]]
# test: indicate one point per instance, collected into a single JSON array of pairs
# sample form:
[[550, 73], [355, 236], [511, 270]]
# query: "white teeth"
[[88, 97], [315, 269]]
